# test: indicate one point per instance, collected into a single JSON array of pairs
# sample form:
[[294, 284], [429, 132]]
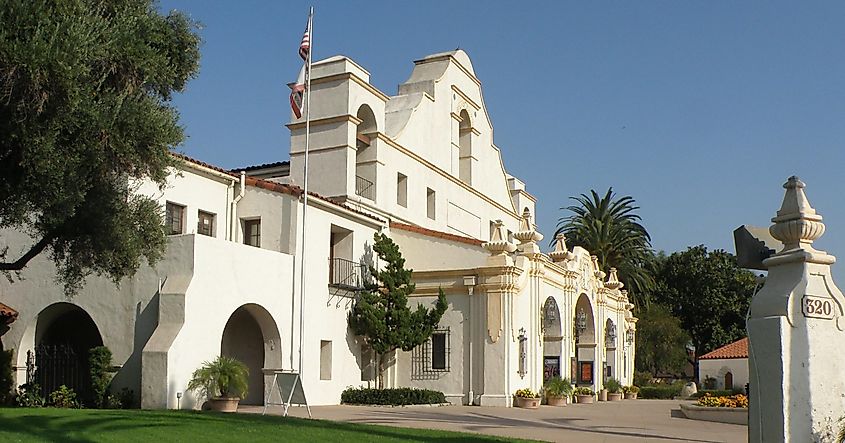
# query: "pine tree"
[[382, 315]]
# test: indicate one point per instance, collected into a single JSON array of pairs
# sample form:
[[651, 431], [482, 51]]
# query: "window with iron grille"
[[434, 354], [174, 219], [205, 223], [252, 232]]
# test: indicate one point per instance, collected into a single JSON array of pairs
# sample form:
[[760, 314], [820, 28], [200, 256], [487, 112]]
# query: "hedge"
[[717, 393], [659, 392], [395, 397]]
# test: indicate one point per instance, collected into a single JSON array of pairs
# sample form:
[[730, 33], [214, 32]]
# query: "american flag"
[[305, 46]]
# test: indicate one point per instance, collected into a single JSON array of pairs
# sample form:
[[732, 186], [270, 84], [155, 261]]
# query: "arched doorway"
[[252, 337], [610, 339], [64, 335], [585, 342], [729, 381], [551, 340], [365, 156]]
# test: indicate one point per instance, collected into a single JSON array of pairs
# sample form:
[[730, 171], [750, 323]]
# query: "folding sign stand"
[[291, 391]]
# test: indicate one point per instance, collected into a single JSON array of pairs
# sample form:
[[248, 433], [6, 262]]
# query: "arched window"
[[465, 148], [365, 159]]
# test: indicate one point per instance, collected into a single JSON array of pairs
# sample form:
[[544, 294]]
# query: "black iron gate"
[[57, 365]]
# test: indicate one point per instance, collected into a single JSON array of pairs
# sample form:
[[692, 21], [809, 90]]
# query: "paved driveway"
[[625, 421]]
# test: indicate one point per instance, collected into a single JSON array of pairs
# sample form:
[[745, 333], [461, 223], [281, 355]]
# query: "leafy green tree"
[[661, 341], [85, 90], [709, 293], [610, 228], [382, 315]]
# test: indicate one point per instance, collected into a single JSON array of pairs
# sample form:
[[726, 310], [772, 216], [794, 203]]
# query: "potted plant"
[[584, 395], [614, 389], [557, 390], [630, 392], [526, 398], [222, 381]]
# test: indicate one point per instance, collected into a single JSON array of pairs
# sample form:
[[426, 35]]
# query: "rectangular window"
[[325, 360], [252, 232], [433, 355], [402, 190], [205, 223], [174, 219], [430, 199]]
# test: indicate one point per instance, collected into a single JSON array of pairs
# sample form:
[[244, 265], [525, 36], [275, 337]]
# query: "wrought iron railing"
[[347, 274], [365, 188]]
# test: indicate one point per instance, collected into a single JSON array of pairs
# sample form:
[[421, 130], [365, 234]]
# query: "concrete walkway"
[[629, 420]]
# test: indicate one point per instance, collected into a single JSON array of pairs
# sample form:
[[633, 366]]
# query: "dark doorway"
[[244, 341], [64, 335]]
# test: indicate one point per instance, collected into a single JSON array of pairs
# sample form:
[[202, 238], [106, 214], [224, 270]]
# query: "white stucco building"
[[420, 166], [727, 366]]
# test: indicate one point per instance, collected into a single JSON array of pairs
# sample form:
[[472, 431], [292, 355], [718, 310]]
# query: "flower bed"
[[724, 401]]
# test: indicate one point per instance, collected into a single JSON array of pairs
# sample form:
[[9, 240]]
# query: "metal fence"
[[365, 188], [348, 274], [57, 365]]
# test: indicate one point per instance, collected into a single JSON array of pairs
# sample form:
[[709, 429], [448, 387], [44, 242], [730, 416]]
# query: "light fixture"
[[581, 321], [610, 335], [629, 337]]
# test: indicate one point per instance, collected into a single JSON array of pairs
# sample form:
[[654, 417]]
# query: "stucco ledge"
[[737, 416]]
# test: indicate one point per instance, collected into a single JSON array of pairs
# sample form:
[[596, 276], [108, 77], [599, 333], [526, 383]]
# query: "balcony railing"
[[347, 274], [365, 188]]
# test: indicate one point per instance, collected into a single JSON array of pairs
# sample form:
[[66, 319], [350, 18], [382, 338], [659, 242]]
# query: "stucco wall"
[[717, 368]]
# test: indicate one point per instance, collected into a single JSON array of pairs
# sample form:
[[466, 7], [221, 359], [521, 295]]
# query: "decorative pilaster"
[[500, 259]]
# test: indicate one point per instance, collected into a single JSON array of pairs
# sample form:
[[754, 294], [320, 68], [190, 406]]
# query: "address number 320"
[[818, 307]]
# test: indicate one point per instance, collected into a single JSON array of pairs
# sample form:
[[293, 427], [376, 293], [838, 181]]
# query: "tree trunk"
[[380, 369]]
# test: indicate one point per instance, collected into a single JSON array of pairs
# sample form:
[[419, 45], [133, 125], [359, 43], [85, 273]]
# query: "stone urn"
[[585, 399], [603, 395], [527, 402], [224, 404], [557, 401], [614, 396]]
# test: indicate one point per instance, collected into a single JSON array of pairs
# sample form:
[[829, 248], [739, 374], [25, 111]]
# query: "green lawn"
[[90, 425]]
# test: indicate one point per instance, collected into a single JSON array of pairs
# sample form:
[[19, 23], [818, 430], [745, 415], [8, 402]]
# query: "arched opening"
[[365, 157], [585, 342], [552, 344], [252, 337], [465, 148], [64, 335], [729, 381]]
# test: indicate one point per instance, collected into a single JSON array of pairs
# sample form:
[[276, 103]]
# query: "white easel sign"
[[817, 307]]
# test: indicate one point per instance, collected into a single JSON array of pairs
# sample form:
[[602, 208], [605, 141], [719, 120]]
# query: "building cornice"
[[350, 76]]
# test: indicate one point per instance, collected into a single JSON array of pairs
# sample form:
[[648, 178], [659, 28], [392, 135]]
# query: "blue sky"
[[698, 110]]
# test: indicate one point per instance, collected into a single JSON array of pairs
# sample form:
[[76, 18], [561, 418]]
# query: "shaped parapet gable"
[[425, 156]]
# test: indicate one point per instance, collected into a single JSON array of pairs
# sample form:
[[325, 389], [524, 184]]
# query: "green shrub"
[[29, 396], [583, 391], [64, 397], [99, 361], [659, 392], [613, 386], [396, 397], [558, 387], [6, 384], [642, 378]]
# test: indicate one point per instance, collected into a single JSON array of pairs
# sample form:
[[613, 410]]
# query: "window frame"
[[247, 237], [201, 215], [168, 218]]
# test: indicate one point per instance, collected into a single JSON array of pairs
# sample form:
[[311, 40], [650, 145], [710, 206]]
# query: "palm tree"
[[609, 228]]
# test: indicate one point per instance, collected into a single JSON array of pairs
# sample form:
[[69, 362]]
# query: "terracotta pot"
[[224, 404], [611, 396], [631, 396], [585, 399], [528, 403], [557, 401]]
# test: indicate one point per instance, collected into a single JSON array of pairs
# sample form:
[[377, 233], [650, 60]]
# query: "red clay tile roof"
[[737, 349], [295, 191], [261, 166], [438, 234], [7, 314]]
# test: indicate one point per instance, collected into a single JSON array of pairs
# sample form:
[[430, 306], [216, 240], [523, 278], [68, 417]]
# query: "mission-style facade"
[[420, 166]]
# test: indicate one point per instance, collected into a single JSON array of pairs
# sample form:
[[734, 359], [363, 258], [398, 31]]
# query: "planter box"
[[527, 403], [614, 396], [557, 401], [631, 396], [737, 416], [585, 399], [224, 404]]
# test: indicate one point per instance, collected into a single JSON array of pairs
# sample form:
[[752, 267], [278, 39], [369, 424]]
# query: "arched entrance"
[[64, 335], [251, 336], [729, 381], [585, 342], [365, 156], [551, 340]]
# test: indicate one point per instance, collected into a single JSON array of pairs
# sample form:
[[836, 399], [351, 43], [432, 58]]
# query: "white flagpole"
[[305, 184]]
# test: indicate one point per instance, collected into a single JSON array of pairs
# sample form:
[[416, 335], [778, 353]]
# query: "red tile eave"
[[737, 349], [436, 234], [7, 314]]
